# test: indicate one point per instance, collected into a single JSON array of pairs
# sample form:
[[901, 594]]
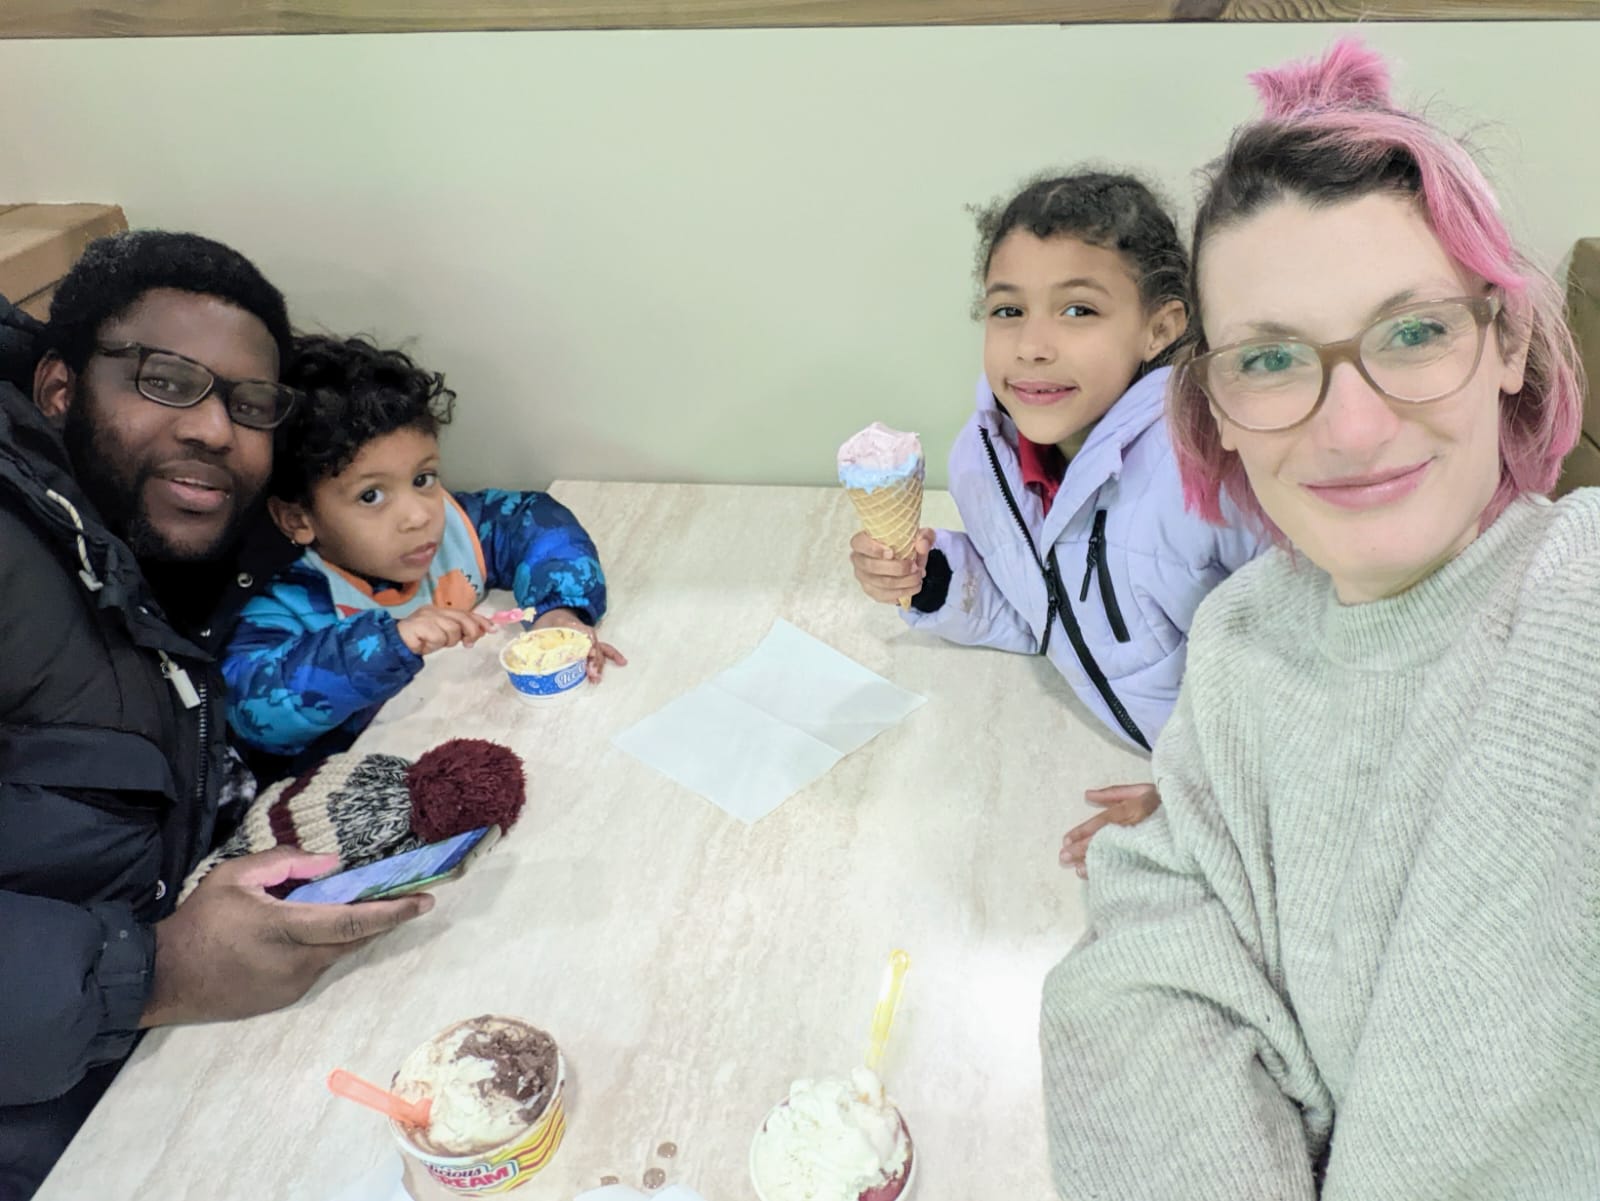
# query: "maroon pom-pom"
[[463, 784]]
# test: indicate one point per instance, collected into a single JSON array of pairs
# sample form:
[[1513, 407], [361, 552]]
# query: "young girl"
[[393, 562], [1077, 542]]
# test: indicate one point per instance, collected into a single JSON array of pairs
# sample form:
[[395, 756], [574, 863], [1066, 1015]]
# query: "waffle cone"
[[892, 515]]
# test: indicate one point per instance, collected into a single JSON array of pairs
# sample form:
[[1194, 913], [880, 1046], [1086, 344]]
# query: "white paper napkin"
[[760, 731]]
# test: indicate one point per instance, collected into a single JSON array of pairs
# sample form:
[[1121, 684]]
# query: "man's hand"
[[600, 653], [1124, 805], [882, 576], [431, 628], [232, 951]]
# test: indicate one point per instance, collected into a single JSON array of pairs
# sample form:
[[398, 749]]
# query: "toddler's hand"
[[600, 653], [882, 576], [431, 628], [1123, 805]]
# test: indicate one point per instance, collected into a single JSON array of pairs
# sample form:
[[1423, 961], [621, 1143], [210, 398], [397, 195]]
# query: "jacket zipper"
[[1061, 606], [202, 775], [1016, 515], [179, 679], [1096, 564], [192, 698]]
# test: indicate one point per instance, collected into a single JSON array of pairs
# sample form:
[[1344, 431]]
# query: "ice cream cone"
[[892, 516], [881, 470]]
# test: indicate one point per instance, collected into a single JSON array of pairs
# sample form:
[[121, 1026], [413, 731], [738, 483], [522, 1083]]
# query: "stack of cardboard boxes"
[[40, 242]]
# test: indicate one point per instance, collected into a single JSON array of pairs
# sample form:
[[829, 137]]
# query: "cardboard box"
[[1582, 467], [1583, 315], [38, 305], [40, 242]]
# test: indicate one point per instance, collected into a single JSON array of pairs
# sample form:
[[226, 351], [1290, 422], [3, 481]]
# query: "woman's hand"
[[1122, 805]]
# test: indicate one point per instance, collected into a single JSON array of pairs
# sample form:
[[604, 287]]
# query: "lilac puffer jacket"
[[1107, 583]]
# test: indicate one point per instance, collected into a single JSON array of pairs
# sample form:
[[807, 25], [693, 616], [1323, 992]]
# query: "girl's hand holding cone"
[[882, 576]]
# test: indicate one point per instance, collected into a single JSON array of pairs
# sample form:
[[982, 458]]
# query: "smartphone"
[[411, 871]]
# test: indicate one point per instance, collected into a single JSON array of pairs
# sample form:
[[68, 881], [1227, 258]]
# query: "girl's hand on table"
[[1122, 805]]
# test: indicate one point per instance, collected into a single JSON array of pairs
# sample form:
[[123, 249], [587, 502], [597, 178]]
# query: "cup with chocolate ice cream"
[[496, 1116]]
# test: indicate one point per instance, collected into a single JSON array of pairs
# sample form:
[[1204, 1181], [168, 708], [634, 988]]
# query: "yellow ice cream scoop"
[[541, 652]]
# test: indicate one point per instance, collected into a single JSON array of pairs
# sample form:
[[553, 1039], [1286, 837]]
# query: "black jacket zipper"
[[1061, 606], [1096, 564], [199, 699], [202, 776], [1051, 591]]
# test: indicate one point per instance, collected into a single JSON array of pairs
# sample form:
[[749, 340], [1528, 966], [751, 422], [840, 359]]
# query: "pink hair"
[[1330, 133]]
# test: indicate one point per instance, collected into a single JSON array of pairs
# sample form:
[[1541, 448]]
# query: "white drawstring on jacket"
[[90, 581]]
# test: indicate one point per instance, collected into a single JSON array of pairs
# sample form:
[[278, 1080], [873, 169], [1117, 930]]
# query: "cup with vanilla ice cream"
[[547, 664], [495, 1084], [834, 1140]]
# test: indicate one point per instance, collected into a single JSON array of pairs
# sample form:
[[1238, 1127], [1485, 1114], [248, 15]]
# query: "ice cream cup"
[[499, 1169], [567, 654], [897, 1188]]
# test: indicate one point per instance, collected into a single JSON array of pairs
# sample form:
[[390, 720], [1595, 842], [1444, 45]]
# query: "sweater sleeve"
[[975, 612], [533, 545], [1173, 1065], [295, 671]]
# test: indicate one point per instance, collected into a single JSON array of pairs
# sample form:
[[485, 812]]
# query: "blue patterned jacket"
[[302, 677]]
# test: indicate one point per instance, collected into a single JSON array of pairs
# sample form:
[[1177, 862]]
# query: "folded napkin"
[[769, 725]]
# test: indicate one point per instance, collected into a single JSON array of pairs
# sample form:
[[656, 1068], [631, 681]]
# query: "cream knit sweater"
[[1356, 953]]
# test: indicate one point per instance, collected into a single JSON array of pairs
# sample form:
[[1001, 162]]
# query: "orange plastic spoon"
[[353, 1088]]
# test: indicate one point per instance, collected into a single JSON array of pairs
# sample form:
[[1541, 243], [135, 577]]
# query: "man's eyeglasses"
[[1414, 354], [176, 381]]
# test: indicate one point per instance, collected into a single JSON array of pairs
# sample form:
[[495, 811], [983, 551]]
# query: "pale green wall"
[[701, 255]]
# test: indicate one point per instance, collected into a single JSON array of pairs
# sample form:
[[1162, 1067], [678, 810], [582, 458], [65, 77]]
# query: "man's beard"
[[115, 486]]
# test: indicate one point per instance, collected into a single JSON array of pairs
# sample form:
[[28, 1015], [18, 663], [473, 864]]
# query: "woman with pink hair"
[[1356, 952]]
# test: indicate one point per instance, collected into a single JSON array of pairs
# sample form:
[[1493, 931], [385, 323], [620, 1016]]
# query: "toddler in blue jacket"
[[393, 562]]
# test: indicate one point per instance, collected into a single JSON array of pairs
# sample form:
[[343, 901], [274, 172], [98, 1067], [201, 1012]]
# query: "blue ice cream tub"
[[544, 665]]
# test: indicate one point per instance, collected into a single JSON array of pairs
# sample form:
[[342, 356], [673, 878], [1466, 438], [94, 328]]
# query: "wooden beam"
[[179, 18]]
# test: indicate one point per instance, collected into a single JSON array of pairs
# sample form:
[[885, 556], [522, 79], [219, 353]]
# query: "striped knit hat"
[[369, 807]]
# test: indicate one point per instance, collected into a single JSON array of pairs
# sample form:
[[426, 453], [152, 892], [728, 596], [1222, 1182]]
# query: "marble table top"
[[688, 965]]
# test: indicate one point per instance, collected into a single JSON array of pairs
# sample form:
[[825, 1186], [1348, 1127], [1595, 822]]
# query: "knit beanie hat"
[[368, 807]]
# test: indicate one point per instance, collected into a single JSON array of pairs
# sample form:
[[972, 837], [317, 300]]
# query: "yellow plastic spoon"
[[894, 976]]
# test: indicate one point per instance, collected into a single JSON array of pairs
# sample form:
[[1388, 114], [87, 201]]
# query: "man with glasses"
[[135, 445]]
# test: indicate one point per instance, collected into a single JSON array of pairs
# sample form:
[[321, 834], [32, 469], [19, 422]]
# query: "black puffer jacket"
[[111, 757]]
